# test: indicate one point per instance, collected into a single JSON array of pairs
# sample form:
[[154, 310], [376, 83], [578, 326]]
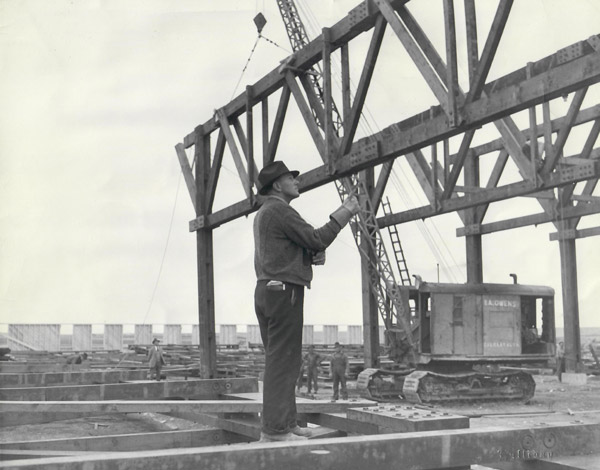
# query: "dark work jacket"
[[284, 243]]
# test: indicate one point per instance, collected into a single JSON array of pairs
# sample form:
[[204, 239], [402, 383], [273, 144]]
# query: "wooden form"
[[456, 113], [125, 391], [170, 406], [418, 450], [60, 378], [232, 417], [128, 442]]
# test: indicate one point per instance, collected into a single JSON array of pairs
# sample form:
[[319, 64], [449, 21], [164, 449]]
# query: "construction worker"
[[285, 246], [77, 358], [312, 361], [560, 360], [155, 359], [339, 369]]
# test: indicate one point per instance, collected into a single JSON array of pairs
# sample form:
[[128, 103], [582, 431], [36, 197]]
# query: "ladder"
[[366, 231], [397, 246]]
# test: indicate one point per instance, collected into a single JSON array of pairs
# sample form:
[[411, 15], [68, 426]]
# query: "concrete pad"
[[574, 378]]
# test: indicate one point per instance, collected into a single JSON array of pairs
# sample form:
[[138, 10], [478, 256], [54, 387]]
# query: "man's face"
[[288, 186]]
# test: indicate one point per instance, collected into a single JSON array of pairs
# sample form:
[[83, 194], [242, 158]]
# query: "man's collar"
[[277, 197]]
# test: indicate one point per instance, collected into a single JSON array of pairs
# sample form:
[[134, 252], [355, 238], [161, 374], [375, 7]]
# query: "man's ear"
[[276, 186]]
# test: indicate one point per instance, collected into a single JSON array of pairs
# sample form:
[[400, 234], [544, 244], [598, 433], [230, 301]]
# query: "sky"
[[95, 94]]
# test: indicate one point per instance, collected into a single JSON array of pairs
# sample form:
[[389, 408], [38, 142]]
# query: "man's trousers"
[[280, 317]]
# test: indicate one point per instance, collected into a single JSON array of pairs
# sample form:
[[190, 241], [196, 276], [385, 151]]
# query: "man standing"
[[339, 368], [155, 359], [77, 358], [313, 361], [285, 247]]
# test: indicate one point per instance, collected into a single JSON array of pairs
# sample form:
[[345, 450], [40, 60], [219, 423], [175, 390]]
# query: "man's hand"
[[351, 203], [318, 258]]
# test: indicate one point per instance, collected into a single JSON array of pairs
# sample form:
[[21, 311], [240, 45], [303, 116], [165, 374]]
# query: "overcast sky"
[[94, 214]]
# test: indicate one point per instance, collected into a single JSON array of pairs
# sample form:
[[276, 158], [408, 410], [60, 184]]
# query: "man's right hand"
[[351, 203]]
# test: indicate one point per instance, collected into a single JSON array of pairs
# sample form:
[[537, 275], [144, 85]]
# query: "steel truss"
[[457, 113]]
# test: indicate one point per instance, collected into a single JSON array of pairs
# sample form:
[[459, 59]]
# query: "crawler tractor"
[[468, 343]]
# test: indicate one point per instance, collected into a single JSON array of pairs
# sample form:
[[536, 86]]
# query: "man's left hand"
[[318, 258]]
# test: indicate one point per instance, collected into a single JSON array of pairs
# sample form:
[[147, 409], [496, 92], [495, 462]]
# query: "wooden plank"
[[30, 367], [563, 133], [327, 122], [452, 74], [458, 164], [80, 377], [187, 172], [10, 455], [493, 180], [170, 406], [534, 219], [215, 171], [423, 450], [240, 424], [235, 153], [507, 95], [205, 262], [128, 442], [586, 115], [351, 121], [557, 179], [489, 50], [11, 418], [577, 234], [209, 388], [278, 125]]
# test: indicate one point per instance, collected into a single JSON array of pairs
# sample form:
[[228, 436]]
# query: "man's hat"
[[270, 173], [155, 340]]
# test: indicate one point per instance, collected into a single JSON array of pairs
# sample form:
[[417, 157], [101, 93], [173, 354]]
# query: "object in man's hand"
[[318, 258]]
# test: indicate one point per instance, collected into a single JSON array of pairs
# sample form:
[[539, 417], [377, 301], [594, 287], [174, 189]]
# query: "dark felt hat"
[[270, 173], [155, 340]]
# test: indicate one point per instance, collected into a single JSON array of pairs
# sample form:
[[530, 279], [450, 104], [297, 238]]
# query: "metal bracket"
[[473, 229], [286, 64], [196, 224], [365, 153], [569, 53], [359, 13], [594, 41], [567, 234]]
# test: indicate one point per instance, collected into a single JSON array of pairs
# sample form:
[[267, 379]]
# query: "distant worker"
[[312, 361], [286, 247], [77, 358], [5, 355], [560, 360], [339, 369], [155, 359]]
